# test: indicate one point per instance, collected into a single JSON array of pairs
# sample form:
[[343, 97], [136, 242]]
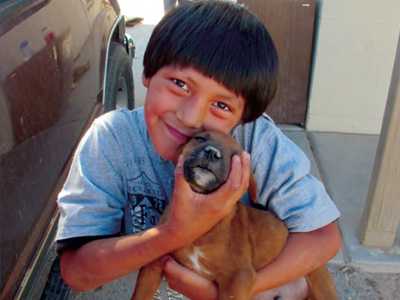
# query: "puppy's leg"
[[148, 281], [238, 286], [321, 285]]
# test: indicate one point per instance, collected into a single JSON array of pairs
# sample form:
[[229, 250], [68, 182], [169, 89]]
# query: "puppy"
[[245, 241]]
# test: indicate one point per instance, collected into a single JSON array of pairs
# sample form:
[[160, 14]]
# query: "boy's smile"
[[181, 102]]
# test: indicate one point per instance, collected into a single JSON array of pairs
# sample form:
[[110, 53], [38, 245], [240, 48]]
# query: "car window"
[[12, 10], [9, 6]]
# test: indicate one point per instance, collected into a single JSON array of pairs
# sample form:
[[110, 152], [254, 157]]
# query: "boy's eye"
[[181, 84], [221, 105]]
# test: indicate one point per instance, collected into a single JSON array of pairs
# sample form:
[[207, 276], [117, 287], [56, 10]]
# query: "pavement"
[[344, 163]]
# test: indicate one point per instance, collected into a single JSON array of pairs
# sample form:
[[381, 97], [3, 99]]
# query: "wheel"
[[119, 88], [56, 288]]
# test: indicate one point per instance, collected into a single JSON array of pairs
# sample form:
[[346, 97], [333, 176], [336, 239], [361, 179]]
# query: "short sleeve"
[[285, 185], [92, 200]]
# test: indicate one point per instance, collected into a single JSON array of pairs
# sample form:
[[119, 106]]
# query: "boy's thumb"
[[179, 166], [179, 176]]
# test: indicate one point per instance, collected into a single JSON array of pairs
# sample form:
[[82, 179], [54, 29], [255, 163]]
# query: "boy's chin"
[[169, 151], [171, 156]]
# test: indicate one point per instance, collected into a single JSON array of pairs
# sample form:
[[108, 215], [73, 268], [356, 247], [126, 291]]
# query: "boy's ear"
[[145, 80]]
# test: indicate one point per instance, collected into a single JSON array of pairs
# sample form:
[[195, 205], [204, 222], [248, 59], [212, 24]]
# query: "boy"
[[208, 65]]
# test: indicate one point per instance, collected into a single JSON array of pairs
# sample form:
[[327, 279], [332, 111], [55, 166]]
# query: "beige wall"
[[354, 55]]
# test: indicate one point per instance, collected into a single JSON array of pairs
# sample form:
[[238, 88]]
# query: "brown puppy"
[[242, 243]]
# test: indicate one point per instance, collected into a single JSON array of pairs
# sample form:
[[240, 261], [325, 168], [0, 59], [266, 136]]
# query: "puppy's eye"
[[200, 139]]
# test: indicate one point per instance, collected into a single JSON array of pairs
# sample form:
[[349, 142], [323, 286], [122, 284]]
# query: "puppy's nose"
[[212, 153]]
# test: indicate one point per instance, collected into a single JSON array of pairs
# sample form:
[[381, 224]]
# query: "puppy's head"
[[207, 160]]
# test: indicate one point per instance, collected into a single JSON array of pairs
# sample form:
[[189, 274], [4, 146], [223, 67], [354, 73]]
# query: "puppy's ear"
[[253, 189]]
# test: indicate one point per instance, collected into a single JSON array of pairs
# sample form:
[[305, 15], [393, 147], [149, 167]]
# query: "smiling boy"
[[208, 65]]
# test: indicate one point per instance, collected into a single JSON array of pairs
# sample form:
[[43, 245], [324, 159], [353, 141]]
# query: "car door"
[[45, 101]]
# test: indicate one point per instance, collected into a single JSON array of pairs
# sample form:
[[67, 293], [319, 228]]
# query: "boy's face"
[[181, 102]]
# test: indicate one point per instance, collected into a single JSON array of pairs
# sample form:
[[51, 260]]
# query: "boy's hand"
[[189, 283], [191, 215]]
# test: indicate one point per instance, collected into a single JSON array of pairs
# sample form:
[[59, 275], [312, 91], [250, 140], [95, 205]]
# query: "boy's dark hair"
[[222, 40]]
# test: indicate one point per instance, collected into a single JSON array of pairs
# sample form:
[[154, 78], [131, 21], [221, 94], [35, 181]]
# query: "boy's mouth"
[[177, 135]]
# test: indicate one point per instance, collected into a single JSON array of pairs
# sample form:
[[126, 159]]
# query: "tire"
[[56, 288], [119, 88]]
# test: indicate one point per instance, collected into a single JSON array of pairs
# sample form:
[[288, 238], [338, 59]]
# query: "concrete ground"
[[342, 161]]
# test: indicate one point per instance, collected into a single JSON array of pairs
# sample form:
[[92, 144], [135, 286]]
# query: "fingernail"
[[179, 165], [236, 159], [165, 259], [180, 160], [246, 155]]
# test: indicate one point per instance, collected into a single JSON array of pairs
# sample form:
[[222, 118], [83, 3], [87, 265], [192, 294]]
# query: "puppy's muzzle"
[[206, 168]]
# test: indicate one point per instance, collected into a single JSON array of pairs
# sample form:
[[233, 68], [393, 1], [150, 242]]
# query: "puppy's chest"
[[199, 261], [223, 247], [202, 259]]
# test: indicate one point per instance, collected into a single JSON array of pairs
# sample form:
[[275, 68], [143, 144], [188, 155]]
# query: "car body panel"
[[51, 79]]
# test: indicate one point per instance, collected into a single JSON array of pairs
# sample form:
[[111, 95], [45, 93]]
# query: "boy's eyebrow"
[[191, 81], [231, 97]]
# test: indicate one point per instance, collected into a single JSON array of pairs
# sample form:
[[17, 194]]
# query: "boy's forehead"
[[184, 70]]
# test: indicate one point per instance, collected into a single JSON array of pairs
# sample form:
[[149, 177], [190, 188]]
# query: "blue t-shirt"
[[119, 184]]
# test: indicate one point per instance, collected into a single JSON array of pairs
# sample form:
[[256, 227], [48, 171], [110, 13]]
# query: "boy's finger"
[[234, 180], [165, 259], [178, 273], [180, 181], [246, 169], [239, 176], [235, 174], [179, 166]]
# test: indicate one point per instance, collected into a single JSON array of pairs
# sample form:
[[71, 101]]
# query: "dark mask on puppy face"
[[207, 160]]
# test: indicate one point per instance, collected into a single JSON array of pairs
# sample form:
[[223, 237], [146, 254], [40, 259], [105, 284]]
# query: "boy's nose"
[[192, 112]]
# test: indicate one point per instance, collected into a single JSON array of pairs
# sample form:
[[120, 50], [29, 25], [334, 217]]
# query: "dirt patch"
[[352, 284]]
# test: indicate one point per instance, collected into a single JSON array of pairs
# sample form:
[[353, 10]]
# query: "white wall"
[[355, 47]]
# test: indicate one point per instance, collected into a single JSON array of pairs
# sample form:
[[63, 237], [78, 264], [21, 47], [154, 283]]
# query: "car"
[[62, 64]]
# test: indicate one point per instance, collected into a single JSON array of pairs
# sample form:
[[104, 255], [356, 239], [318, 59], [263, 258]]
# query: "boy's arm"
[[303, 253], [189, 216], [104, 260]]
